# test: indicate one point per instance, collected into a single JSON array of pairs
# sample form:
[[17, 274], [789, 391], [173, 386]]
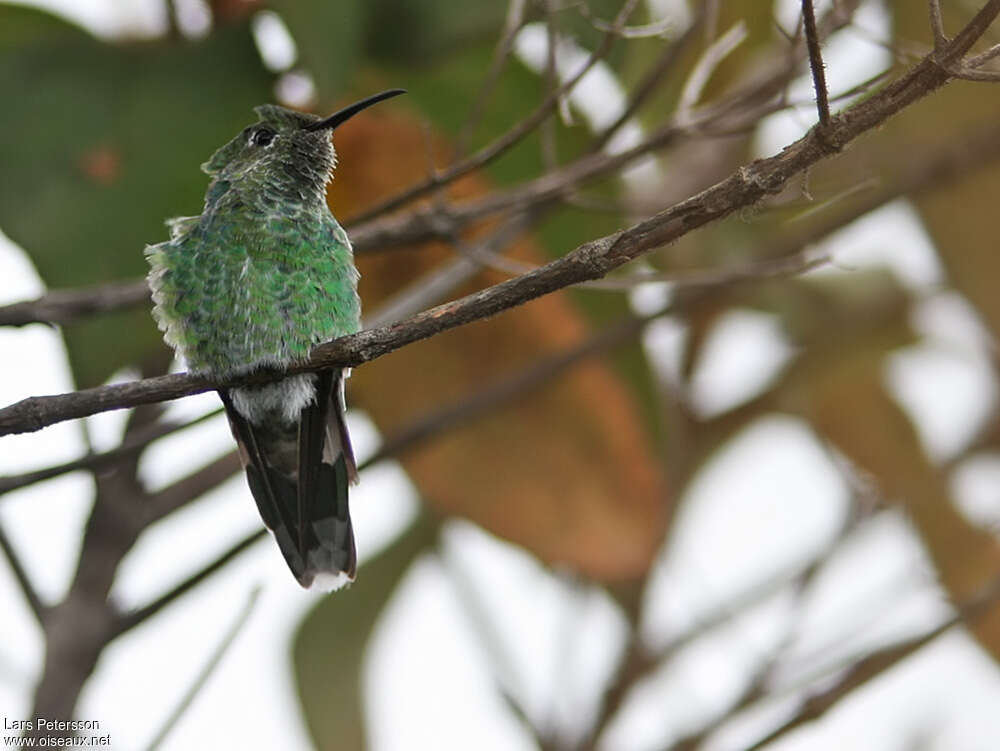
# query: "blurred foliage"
[[102, 145], [110, 145]]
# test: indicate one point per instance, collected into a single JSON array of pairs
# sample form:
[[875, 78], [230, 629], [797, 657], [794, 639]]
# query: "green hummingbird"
[[260, 277]]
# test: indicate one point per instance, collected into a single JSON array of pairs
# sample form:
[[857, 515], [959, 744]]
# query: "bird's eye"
[[262, 137]]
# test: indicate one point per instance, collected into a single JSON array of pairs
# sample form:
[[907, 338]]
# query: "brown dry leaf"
[[564, 470]]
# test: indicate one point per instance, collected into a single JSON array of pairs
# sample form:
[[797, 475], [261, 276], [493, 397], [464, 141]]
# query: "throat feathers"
[[259, 278]]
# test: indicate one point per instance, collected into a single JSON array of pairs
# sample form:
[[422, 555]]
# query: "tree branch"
[[592, 260], [129, 620], [816, 62], [175, 495], [874, 665], [62, 306], [35, 603], [513, 23], [213, 662], [133, 444]]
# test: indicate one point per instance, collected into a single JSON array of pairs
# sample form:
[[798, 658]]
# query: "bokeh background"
[[712, 511]]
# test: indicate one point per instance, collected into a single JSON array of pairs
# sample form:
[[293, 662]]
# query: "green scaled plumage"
[[265, 273], [257, 280]]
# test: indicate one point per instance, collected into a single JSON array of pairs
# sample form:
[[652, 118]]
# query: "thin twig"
[[498, 147], [766, 268], [661, 28], [860, 672], [194, 485], [970, 74], [35, 603], [512, 25], [649, 83], [706, 65], [132, 619], [983, 57], [937, 25], [816, 63], [202, 678], [63, 306], [502, 664], [547, 130], [133, 443], [716, 277], [442, 281]]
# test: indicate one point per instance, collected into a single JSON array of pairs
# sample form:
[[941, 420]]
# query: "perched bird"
[[261, 276]]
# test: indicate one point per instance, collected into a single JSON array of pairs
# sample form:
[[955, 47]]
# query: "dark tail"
[[299, 475]]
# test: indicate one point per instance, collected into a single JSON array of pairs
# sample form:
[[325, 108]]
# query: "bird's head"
[[285, 152]]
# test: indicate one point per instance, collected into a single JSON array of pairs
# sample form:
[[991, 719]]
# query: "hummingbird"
[[255, 281]]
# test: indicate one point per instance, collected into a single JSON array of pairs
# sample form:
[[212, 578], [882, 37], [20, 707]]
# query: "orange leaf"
[[565, 470]]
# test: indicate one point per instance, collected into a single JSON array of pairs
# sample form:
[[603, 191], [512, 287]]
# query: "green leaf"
[[329, 38], [405, 31], [104, 144]]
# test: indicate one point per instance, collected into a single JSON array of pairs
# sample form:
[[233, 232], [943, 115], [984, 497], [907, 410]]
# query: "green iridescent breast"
[[232, 296]]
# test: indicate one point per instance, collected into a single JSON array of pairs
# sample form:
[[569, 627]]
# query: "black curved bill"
[[341, 116]]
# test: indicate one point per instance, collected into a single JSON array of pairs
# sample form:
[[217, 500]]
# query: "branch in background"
[[133, 444], [502, 665], [169, 499], [709, 61], [547, 128], [513, 23], [592, 260], [27, 587], [937, 26], [131, 619], [671, 55], [641, 661], [62, 306], [213, 662], [861, 672], [77, 629], [488, 153], [735, 113]]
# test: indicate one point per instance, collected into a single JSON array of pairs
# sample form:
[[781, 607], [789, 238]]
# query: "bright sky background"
[[425, 657]]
